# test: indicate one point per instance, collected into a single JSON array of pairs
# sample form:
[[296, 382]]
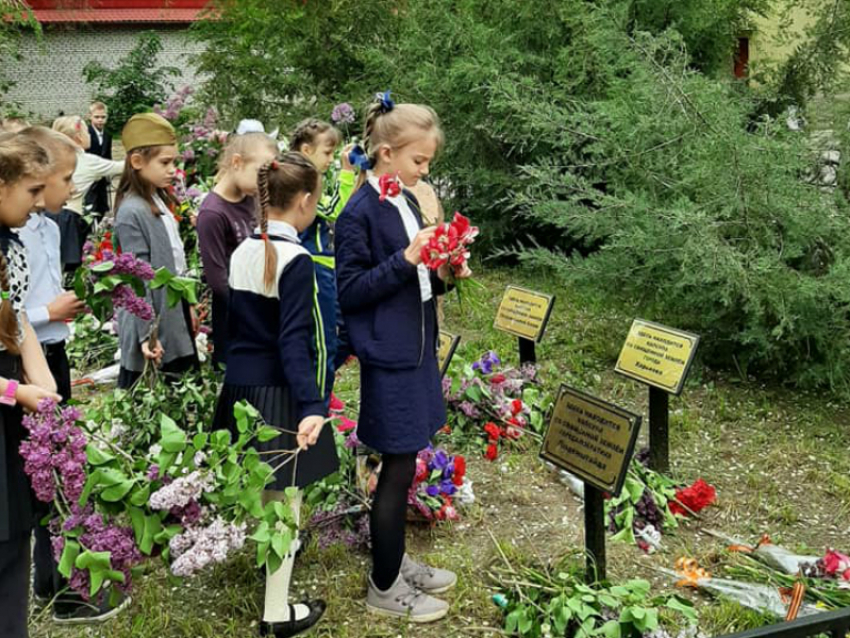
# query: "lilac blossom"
[[198, 547], [211, 118], [99, 534], [180, 492], [127, 264], [343, 113], [190, 514], [55, 450], [469, 409], [124, 297]]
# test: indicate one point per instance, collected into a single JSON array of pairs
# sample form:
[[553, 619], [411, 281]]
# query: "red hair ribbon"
[[264, 236], [79, 125], [274, 165]]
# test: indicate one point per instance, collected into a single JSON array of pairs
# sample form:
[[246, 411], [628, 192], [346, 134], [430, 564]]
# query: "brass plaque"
[[591, 438], [448, 345], [657, 355], [524, 313]]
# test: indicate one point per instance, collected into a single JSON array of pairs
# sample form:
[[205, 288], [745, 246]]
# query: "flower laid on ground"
[[834, 565], [347, 523], [438, 480], [500, 404], [551, 599], [110, 280], [694, 498], [651, 504]]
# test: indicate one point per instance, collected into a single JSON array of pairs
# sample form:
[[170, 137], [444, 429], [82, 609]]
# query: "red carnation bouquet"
[[450, 246]]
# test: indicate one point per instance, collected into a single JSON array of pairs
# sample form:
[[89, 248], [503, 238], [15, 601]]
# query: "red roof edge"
[[117, 16]]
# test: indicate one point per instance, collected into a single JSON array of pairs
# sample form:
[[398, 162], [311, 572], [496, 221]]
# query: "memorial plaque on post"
[[657, 355], [595, 441], [660, 357], [448, 345], [592, 439], [524, 313]]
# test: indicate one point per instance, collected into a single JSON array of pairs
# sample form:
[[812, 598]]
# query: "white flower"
[[464, 495]]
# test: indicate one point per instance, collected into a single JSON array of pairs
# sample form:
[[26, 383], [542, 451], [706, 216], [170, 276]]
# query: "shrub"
[[135, 85], [702, 215]]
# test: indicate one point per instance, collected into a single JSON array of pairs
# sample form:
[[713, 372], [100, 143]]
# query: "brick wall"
[[50, 76]]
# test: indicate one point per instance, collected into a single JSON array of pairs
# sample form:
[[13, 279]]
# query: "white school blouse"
[[411, 227]]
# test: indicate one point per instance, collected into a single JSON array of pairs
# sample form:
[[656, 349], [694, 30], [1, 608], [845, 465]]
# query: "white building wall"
[[49, 77]]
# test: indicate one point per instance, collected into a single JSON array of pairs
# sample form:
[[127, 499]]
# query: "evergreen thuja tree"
[[699, 216]]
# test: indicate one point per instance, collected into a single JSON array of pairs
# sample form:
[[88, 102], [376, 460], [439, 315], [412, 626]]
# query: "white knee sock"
[[277, 584]]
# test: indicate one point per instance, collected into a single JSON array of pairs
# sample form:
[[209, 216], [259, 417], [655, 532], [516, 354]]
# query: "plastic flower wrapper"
[[761, 598], [774, 556]]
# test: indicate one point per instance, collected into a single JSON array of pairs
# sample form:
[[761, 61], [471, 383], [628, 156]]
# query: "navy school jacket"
[[274, 335], [378, 289]]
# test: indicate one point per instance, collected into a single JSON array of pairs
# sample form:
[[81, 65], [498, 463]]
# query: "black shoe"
[[294, 627], [80, 612]]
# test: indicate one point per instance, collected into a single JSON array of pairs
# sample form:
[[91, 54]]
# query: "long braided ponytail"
[[270, 252], [278, 184]]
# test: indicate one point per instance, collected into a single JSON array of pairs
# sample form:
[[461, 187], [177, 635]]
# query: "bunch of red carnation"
[[450, 244], [695, 498]]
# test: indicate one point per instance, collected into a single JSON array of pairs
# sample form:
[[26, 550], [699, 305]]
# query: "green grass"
[[778, 458]]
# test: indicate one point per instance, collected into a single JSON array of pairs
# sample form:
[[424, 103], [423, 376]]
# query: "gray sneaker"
[[403, 601], [429, 579]]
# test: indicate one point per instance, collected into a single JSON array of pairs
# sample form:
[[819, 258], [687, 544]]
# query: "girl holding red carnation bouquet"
[[387, 297]]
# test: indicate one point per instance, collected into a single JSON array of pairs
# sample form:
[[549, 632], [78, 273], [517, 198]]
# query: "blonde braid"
[[8, 317]]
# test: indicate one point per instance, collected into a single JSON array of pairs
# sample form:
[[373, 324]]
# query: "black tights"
[[389, 515]]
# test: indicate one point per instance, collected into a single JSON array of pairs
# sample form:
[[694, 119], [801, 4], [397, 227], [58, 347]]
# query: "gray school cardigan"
[[139, 231]]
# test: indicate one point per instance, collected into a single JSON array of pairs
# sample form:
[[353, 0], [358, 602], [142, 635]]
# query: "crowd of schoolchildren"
[[302, 276]]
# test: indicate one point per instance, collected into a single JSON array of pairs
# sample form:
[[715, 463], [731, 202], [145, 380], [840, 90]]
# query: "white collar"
[[35, 221], [282, 229]]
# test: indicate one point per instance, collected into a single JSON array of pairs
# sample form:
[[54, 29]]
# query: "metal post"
[[527, 353], [594, 533], [659, 420]]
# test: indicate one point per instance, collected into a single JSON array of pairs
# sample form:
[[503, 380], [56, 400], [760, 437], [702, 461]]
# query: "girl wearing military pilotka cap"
[[145, 227]]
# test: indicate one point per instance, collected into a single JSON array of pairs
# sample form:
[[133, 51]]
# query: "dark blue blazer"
[[378, 289]]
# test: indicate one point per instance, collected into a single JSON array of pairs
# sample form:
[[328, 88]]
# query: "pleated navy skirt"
[[279, 409]]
